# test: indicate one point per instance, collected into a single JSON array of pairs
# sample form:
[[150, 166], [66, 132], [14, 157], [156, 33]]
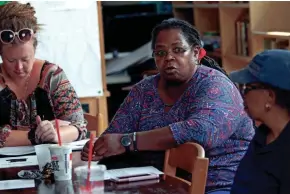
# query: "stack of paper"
[[16, 184], [77, 145], [24, 150], [17, 151]]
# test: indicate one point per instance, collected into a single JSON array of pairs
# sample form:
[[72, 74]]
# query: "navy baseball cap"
[[270, 67]]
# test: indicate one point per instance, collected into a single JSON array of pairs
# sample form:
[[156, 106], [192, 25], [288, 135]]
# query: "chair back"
[[191, 158], [94, 123]]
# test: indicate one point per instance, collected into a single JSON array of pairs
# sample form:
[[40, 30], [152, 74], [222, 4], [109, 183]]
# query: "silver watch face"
[[126, 141]]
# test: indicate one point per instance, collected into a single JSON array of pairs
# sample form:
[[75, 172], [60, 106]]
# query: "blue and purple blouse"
[[210, 112]]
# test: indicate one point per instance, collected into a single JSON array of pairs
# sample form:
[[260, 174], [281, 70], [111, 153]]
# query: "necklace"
[[23, 109], [26, 86]]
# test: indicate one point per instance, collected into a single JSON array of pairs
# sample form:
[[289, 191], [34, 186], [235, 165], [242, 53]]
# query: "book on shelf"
[[243, 34]]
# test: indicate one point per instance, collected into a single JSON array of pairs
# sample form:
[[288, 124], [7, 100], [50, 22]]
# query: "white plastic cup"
[[64, 187], [43, 155], [95, 184], [44, 188], [61, 160]]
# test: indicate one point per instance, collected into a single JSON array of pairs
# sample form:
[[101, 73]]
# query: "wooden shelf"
[[240, 23], [182, 6], [206, 5], [282, 35], [210, 5], [267, 16], [235, 62], [234, 5], [242, 59]]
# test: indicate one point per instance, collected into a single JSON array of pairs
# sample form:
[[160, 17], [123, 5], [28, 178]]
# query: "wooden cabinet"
[[245, 28]]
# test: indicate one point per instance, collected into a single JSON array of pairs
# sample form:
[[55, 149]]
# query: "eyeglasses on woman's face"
[[8, 36], [161, 53], [246, 88]]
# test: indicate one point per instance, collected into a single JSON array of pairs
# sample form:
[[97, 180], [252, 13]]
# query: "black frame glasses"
[[244, 89], [175, 51]]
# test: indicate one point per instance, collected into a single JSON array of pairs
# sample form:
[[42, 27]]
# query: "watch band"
[[135, 142], [31, 136], [127, 148]]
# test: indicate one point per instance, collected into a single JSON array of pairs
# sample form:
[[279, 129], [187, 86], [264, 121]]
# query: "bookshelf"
[[241, 28]]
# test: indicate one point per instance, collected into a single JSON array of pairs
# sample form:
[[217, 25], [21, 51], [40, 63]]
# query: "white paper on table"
[[77, 145], [17, 184], [109, 174], [17, 151], [24, 150], [12, 161]]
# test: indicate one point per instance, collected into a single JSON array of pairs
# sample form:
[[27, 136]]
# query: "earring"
[[268, 107]]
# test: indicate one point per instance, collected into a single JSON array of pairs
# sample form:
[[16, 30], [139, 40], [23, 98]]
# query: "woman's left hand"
[[105, 146]]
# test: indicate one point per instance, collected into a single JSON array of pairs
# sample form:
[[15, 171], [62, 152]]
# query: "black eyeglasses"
[[163, 53], [8, 36], [244, 89]]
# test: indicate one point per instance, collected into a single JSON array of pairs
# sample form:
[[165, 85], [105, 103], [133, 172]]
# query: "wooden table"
[[169, 185]]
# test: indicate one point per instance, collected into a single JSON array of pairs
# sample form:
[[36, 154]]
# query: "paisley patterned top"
[[53, 98], [210, 112]]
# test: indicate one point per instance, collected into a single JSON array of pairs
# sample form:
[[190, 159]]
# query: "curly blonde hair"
[[16, 16]]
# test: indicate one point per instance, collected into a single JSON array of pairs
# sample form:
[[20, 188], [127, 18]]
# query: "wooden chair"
[[191, 158], [95, 123]]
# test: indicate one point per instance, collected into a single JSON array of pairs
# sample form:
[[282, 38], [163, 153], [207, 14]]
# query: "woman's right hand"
[[45, 132]]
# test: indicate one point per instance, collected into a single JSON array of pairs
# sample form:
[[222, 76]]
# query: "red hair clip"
[[202, 53]]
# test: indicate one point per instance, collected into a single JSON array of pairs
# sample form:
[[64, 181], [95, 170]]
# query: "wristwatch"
[[126, 141]]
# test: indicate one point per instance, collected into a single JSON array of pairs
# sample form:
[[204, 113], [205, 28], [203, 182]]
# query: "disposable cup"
[[44, 188], [95, 182], [59, 187], [64, 187], [43, 155], [61, 160]]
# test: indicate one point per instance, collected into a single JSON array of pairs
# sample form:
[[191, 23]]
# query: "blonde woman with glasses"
[[33, 92]]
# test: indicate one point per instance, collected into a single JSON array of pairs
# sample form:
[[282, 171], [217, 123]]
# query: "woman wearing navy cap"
[[265, 169]]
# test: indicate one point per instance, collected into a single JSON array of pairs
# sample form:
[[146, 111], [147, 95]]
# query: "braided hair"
[[191, 35], [16, 16]]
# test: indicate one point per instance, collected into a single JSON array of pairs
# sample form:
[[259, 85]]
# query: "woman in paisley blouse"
[[33, 92], [186, 102]]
